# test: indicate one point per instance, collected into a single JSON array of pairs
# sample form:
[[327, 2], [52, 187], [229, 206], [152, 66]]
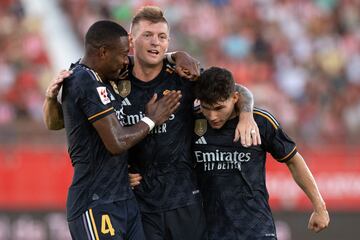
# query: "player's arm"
[[118, 139], [52, 111], [185, 65], [319, 219], [52, 114], [247, 129]]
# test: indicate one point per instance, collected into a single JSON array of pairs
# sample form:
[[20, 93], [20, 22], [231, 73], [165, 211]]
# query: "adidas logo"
[[126, 102], [201, 141]]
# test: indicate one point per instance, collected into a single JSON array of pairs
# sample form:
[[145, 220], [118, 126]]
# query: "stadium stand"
[[300, 58]]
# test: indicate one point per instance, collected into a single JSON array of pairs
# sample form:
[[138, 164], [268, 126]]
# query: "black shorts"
[[117, 220], [185, 223]]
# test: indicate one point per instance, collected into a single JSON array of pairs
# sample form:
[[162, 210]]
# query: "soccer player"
[[186, 66], [231, 177], [168, 196], [100, 203], [169, 199]]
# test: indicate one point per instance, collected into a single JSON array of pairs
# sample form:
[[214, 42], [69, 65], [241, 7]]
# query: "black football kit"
[[232, 177], [100, 203], [164, 158]]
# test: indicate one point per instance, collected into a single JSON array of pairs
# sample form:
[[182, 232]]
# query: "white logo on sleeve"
[[103, 94], [201, 141], [126, 102]]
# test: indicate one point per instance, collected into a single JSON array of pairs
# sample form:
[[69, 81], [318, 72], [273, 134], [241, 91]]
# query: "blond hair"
[[152, 14]]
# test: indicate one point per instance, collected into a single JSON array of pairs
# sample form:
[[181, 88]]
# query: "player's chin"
[[155, 59], [216, 125], [114, 75]]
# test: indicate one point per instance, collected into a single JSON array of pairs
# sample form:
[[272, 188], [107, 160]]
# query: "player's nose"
[[212, 115], [155, 40]]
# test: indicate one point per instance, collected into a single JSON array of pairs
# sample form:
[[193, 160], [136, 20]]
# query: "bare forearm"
[[116, 138], [306, 181], [246, 99], [130, 136], [52, 114]]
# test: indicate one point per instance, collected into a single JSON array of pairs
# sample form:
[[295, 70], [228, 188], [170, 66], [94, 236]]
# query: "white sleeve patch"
[[103, 94]]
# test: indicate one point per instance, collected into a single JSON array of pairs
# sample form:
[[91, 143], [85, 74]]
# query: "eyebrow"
[[213, 108], [155, 33]]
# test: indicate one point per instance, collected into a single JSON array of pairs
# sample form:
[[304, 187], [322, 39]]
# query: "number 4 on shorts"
[[106, 226]]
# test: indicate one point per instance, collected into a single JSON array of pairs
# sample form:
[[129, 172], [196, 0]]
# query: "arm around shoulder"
[[52, 110], [247, 129], [53, 114]]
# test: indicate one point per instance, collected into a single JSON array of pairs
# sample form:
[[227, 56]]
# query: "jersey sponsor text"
[[221, 160]]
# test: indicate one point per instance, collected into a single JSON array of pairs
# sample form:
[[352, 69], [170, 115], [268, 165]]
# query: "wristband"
[[169, 58], [149, 122]]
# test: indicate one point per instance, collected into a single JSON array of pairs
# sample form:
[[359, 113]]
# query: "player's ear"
[[102, 52], [131, 40], [235, 96]]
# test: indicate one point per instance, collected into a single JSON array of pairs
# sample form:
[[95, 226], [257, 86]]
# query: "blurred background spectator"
[[300, 58], [23, 63]]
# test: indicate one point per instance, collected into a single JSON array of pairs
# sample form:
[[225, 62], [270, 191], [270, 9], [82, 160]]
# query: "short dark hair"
[[104, 32], [152, 14], [215, 84]]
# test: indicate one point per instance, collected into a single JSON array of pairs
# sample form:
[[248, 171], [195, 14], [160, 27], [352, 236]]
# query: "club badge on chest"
[[124, 88], [200, 127]]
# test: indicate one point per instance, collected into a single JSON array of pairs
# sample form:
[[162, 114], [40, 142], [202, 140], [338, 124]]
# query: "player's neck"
[[146, 72], [234, 114], [90, 63]]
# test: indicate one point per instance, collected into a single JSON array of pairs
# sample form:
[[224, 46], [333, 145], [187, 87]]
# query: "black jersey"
[[99, 177], [164, 157], [232, 178]]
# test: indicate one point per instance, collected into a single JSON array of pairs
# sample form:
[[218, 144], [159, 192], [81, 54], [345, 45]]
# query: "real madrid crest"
[[200, 127], [124, 87]]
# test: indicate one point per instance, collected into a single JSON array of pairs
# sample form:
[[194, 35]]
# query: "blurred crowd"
[[23, 62], [300, 58]]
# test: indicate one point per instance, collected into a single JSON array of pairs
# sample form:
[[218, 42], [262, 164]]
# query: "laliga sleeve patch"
[[103, 94]]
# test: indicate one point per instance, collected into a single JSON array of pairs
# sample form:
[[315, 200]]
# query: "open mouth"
[[153, 52]]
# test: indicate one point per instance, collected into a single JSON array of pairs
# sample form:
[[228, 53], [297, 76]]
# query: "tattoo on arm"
[[246, 100]]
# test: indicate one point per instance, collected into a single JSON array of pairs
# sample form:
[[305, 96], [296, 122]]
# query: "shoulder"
[[263, 117], [83, 78], [198, 115], [169, 72], [84, 74], [169, 68]]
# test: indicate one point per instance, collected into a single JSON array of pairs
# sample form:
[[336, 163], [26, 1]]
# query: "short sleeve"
[[276, 141], [94, 97]]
